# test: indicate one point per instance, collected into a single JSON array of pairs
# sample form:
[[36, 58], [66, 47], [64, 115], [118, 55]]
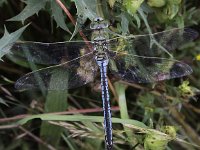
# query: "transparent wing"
[[153, 44], [142, 69], [50, 53], [67, 75]]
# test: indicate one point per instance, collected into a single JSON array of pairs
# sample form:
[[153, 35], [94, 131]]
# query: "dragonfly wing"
[[68, 75], [141, 69], [174, 38], [153, 44], [50, 53]]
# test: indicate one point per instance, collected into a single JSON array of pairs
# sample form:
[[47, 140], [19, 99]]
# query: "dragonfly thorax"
[[100, 44], [101, 48]]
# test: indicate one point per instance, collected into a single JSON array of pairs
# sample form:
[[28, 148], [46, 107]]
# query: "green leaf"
[[85, 9], [156, 3], [58, 16], [7, 39], [111, 3], [124, 23], [132, 5], [55, 102], [100, 119], [32, 7], [2, 1], [174, 1], [3, 102], [155, 140], [137, 18], [167, 13]]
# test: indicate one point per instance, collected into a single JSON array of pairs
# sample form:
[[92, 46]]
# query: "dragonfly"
[[135, 58]]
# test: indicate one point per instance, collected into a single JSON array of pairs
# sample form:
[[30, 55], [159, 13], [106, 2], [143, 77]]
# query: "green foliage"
[[57, 14], [86, 9], [3, 102], [2, 2], [155, 3], [142, 111], [7, 40], [156, 140], [132, 5], [55, 101], [32, 7]]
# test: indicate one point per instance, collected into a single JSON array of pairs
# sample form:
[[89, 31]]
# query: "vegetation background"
[[164, 115]]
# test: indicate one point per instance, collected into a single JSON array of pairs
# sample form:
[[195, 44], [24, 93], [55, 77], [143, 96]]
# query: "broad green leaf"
[[32, 7], [7, 39], [56, 101], [58, 16]]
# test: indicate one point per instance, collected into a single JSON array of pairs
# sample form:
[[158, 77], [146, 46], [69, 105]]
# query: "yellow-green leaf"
[[111, 3], [176, 2], [156, 3], [154, 141], [167, 13], [132, 5]]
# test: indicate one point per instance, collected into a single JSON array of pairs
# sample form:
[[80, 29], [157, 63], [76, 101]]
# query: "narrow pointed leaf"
[[32, 7], [85, 9], [7, 40], [58, 16]]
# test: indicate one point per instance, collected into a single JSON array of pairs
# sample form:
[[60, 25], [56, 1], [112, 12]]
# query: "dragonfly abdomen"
[[106, 104]]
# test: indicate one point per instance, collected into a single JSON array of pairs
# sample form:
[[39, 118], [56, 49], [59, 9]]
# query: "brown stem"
[[72, 20], [59, 113]]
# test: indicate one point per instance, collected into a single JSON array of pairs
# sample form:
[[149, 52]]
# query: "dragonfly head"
[[98, 19], [98, 23]]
